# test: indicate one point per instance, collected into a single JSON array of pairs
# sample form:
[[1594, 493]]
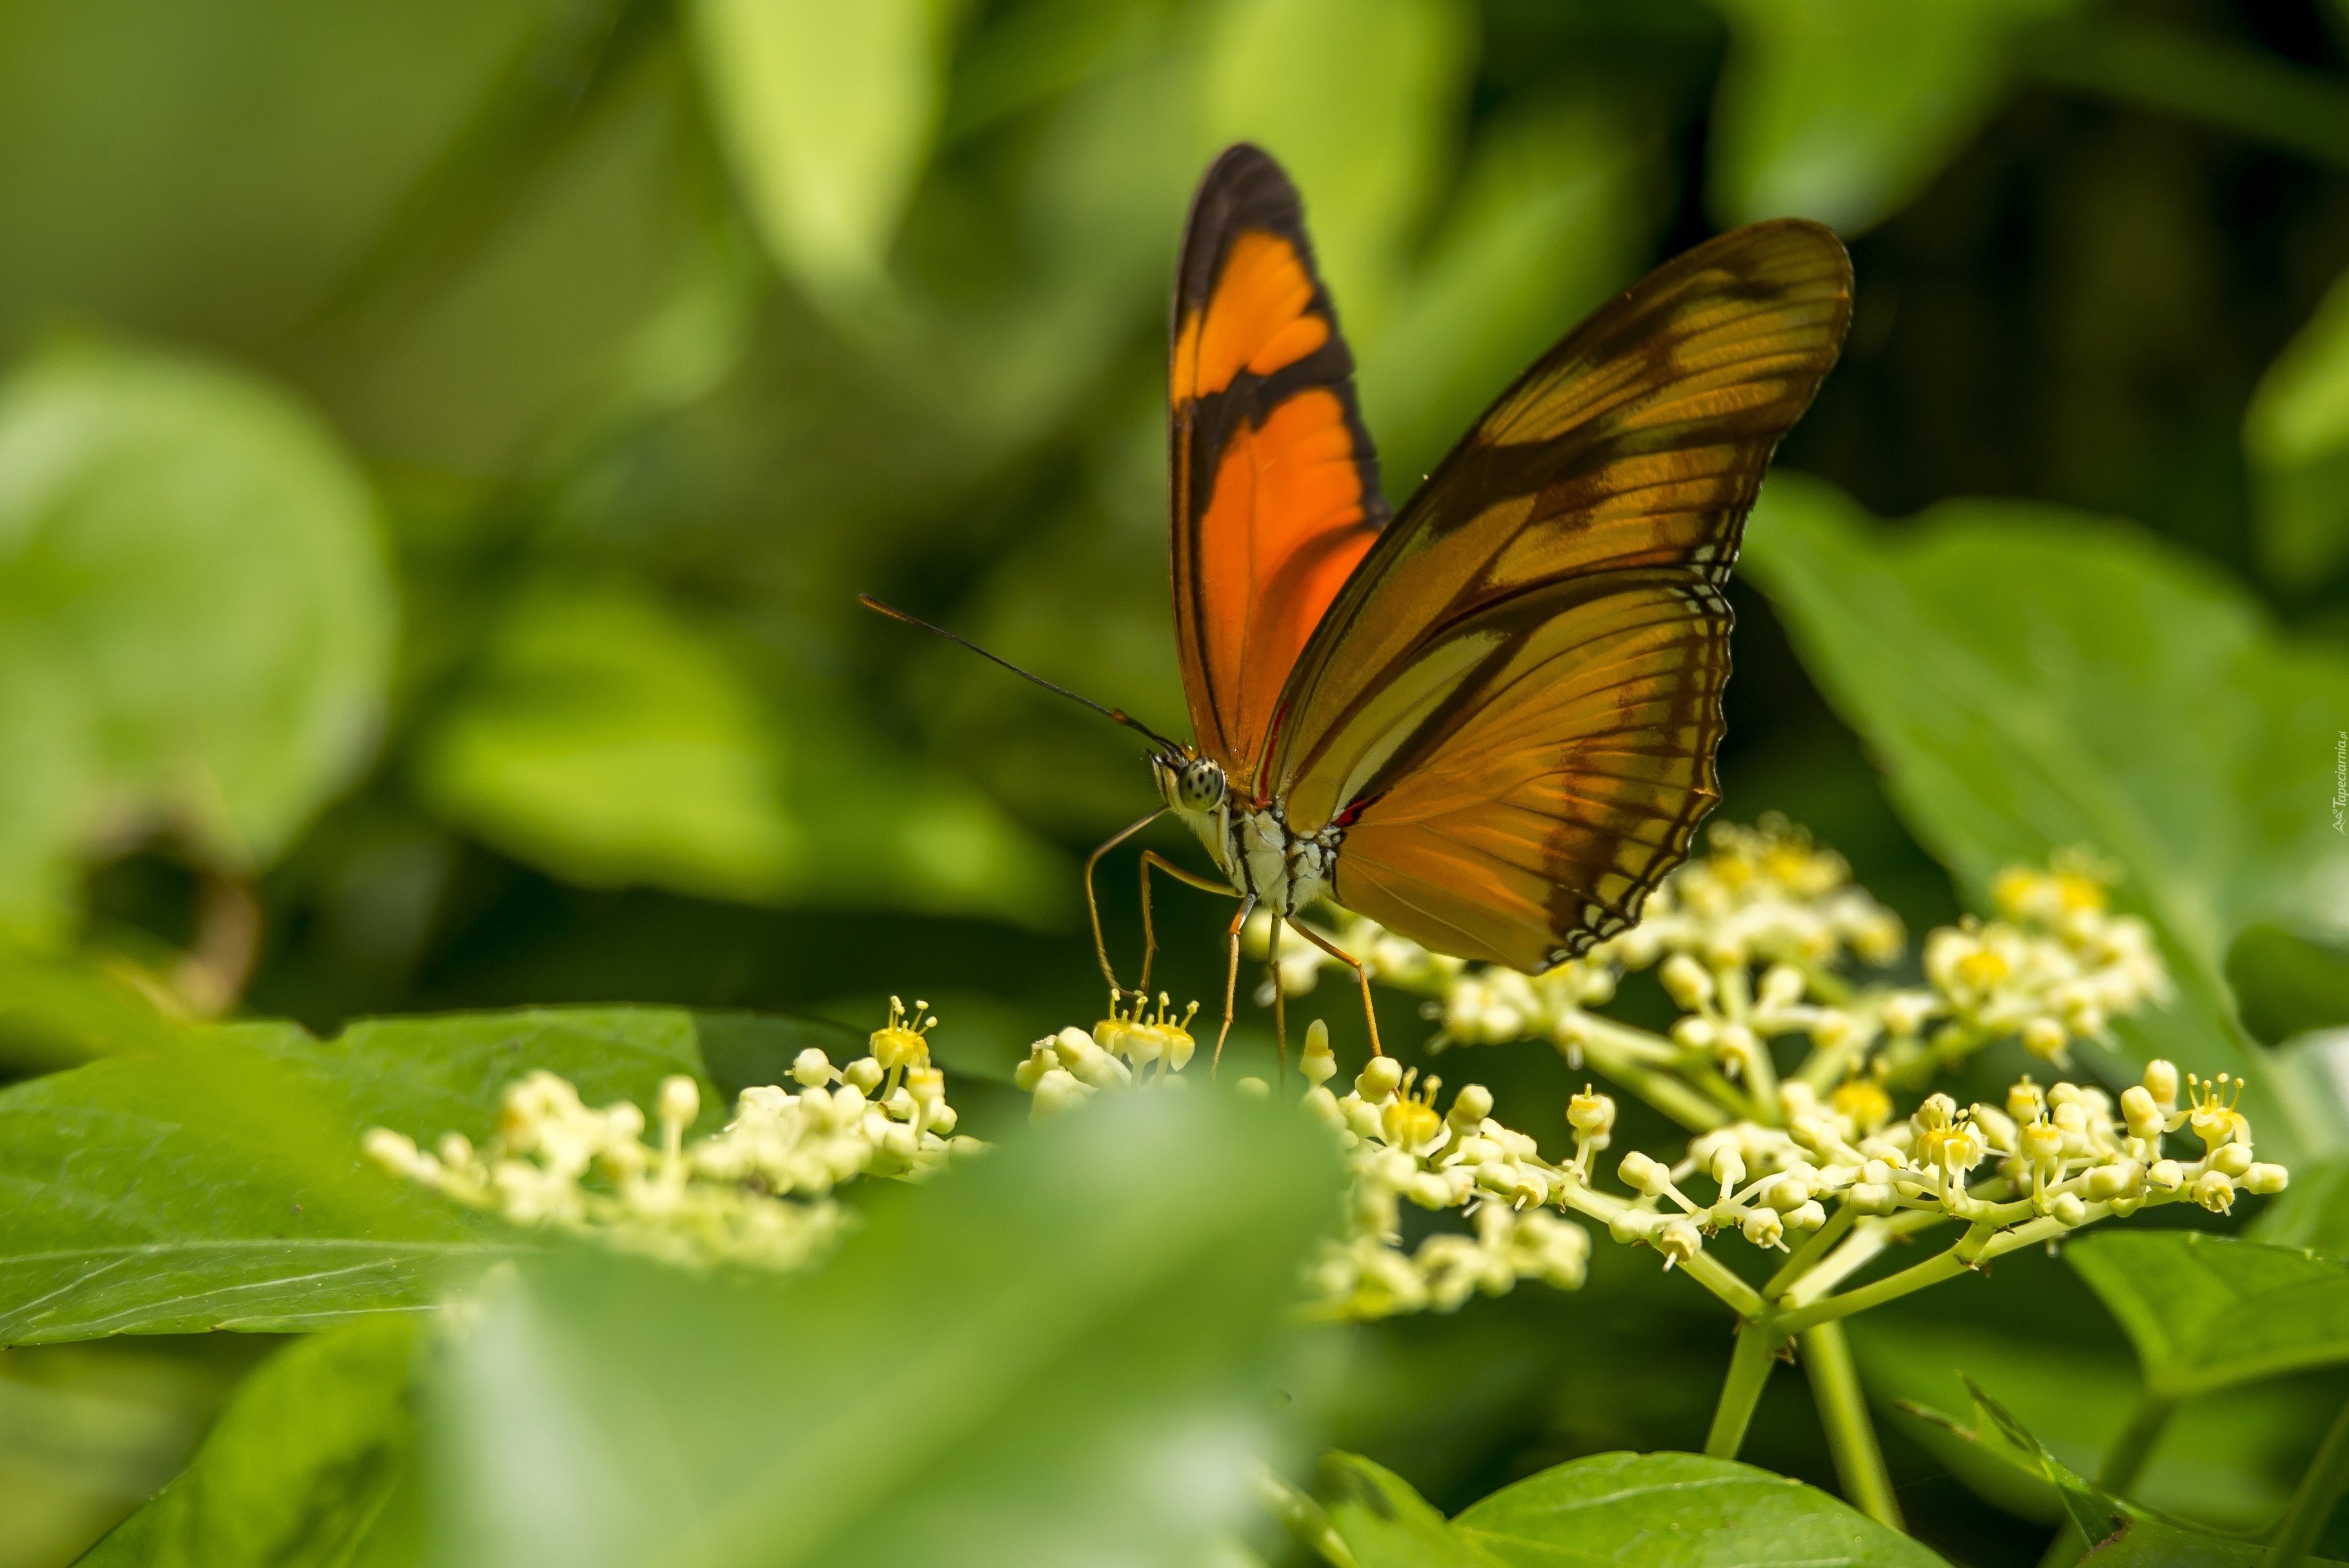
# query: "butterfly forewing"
[[1514, 704], [1276, 493]]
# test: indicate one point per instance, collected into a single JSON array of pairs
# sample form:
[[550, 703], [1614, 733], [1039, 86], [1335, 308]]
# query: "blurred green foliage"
[[439, 446]]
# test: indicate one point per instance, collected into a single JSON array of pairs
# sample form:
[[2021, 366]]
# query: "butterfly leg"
[[1231, 980], [1279, 1001], [1361, 975], [1149, 934], [1093, 904]]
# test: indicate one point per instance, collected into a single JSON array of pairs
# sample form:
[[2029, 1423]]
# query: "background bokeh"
[[440, 445]]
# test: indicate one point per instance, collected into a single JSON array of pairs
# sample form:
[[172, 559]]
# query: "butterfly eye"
[[1201, 787]]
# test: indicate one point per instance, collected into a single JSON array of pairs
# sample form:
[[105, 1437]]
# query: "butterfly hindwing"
[[1276, 491], [1513, 706]]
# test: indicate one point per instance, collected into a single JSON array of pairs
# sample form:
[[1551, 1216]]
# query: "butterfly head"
[[1187, 782]]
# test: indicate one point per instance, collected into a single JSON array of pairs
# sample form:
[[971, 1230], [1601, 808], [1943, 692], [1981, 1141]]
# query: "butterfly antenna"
[[1116, 715]]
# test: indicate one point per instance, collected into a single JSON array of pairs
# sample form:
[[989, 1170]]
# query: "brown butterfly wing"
[[1514, 704], [1276, 490]]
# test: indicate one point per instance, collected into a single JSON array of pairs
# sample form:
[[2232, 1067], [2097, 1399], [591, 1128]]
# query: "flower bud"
[[395, 1151], [2106, 1182], [1470, 1107], [1905, 1012], [1380, 1077], [1254, 1089], [1057, 1091], [680, 1100], [2161, 1082], [2042, 1037], [2143, 1115], [2234, 1159], [2025, 1100], [862, 1074], [2167, 1174], [1318, 1064], [1762, 1227], [1937, 1113], [1040, 1060], [1728, 1166], [1634, 1225], [811, 1067], [2068, 1211], [1873, 1198], [2266, 1179], [1686, 981], [1694, 1033], [1643, 1174], [1785, 1193], [1782, 988], [1809, 1217]]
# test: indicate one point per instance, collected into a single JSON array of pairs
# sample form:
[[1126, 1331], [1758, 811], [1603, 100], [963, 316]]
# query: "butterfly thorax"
[[1254, 845]]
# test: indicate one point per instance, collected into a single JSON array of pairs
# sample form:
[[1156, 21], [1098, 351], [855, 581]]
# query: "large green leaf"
[[1676, 1509], [220, 1184], [2296, 436], [2227, 1459], [2124, 1534], [311, 1466], [1386, 1525], [1659, 1511], [1055, 1355], [2205, 1312], [825, 112], [2031, 679], [1843, 109], [196, 618]]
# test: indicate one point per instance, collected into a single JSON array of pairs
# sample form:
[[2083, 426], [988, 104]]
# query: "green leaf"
[[2227, 1459], [196, 618], [311, 1463], [2031, 679], [1668, 1509], [1843, 111], [1057, 1355], [1386, 1525], [2313, 1211], [608, 739], [2125, 1534], [2205, 1312], [825, 113], [1356, 98], [2287, 985], [2296, 438], [222, 1185]]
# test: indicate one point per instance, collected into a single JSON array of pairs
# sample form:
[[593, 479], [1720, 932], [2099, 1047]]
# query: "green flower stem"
[[2311, 1503], [1821, 1241], [2125, 1462], [1866, 1242], [1967, 1253], [1302, 1518], [1714, 1275], [1851, 1435], [1749, 1370]]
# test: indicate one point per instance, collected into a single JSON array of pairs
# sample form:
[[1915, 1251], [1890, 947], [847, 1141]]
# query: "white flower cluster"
[[1125, 1050], [1399, 1147], [2055, 966], [758, 1192], [2058, 1154]]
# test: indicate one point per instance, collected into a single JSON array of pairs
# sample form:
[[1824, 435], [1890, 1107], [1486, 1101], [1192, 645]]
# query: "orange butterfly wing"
[[1513, 706], [1276, 491]]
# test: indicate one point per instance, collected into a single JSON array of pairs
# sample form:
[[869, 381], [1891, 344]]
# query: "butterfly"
[[1487, 722]]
